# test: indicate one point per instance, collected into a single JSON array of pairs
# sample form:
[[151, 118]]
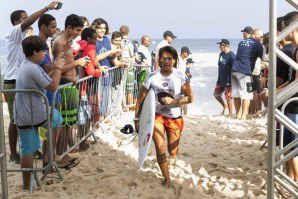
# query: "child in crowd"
[[30, 109], [89, 88]]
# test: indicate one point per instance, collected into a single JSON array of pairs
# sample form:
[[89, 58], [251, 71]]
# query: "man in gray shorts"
[[248, 51]]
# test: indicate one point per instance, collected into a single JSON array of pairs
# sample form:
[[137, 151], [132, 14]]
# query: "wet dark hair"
[[99, 21], [289, 18], [87, 33], [45, 19], [170, 50], [116, 34], [33, 44], [74, 21], [16, 15]]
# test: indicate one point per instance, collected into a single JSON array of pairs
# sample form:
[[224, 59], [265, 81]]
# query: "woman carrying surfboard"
[[172, 90]]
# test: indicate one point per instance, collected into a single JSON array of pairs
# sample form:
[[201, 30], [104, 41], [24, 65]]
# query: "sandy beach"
[[218, 158]]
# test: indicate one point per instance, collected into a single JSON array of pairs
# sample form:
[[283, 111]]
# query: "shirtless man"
[[73, 28]]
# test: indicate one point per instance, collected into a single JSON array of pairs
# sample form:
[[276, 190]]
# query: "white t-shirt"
[[257, 69], [181, 65], [166, 86], [143, 49], [15, 55], [161, 44]]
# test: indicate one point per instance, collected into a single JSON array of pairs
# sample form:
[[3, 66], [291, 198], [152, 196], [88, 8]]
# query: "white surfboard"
[[147, 118]]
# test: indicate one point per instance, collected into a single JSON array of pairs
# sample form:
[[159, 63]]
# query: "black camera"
[[249, 86], [58, 6]]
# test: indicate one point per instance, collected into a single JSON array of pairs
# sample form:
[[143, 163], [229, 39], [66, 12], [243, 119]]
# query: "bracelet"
[[136, 119], [48, 8]]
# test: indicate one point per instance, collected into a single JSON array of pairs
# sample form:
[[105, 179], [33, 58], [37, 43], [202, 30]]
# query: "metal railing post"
[[271, 100], [3, 165], [276, 159]]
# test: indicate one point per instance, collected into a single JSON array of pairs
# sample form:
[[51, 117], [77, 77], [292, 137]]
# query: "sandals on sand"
[[72, 163]]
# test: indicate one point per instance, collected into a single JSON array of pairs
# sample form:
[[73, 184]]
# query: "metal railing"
[[3, 166], [51, 164], [134, 79], [105, 97], [276, 158]]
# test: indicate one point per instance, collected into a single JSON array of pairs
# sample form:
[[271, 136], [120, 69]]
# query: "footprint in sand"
[[213, 165], [214, 155], [186, 154], [108, 176], [99, 170]]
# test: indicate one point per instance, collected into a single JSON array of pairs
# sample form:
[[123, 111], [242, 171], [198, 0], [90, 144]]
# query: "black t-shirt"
[[293, 106], [282, 68]]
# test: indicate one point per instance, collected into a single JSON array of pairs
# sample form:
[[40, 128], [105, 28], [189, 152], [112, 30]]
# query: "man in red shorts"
[[223, 84]]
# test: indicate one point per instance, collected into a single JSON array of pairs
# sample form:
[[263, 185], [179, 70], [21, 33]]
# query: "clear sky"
[[186, 18]]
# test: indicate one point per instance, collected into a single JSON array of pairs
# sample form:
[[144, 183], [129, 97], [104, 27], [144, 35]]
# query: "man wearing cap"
[[223, 84], [248, 51], [181, 68], [181, 65], [168, 38], [189, 63]]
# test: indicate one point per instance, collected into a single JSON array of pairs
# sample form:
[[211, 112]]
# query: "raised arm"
[[32, 18]]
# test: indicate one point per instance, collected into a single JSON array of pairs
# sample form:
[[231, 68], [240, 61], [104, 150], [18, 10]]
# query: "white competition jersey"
[[166, 86]]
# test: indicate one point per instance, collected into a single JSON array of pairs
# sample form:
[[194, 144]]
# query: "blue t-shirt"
[[248, 51], [225, 63], [102, 47]]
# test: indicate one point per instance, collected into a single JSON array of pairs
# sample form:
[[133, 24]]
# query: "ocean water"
[[205, 54]]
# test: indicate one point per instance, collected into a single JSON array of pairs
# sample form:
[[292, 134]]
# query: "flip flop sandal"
[[74, 160], [72, 165]]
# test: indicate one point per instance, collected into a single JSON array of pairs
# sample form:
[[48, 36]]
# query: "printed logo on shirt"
[[165, 84], [247, 42], [222, 60], [103, 50]]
